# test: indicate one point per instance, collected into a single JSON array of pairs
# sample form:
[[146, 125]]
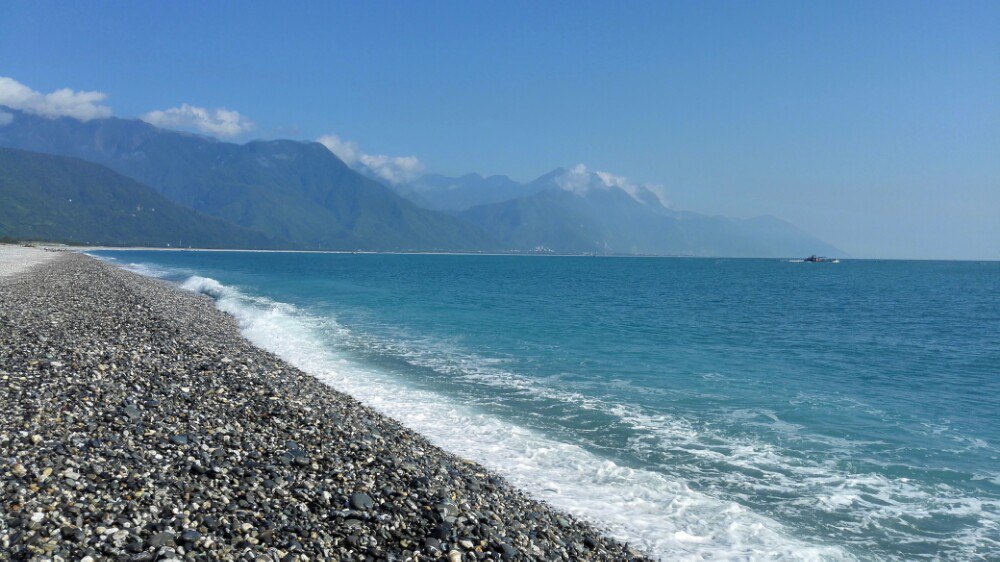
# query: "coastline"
[[15, 260], [142, 425], [84, 249]]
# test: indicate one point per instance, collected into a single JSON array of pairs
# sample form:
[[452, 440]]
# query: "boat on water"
[[819, 259]]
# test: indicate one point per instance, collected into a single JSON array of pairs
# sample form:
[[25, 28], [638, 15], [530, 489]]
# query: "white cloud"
[[393, 169], [5, 118], [580, 180], [347, 151], [576, 179], [218, 122], [660, 192], [60, 103]]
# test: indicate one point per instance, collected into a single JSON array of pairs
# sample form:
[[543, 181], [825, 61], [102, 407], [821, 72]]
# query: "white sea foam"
[[208, 286], [653, 511], [143, 269], [747, 467], [661, 515], [751, 467], [147, 270]]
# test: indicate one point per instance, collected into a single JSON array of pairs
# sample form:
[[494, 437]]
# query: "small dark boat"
[[819, 259]]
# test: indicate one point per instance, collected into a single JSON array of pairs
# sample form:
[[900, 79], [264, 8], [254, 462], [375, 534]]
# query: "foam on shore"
[[662, 516]]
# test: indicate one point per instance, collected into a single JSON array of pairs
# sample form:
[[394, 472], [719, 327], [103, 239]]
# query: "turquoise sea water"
[[698, 408]]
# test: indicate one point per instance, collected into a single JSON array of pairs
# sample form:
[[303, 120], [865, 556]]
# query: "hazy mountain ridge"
[[444, 193], [580, 211], [290, 190], [58, 198], [299, 194]]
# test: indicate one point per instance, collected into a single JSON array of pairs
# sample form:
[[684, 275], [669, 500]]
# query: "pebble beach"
[[138, 424]]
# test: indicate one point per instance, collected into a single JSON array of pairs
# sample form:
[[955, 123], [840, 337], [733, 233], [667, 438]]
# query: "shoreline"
[[15, 260], [145, 405], [84, 249], [650, 509]]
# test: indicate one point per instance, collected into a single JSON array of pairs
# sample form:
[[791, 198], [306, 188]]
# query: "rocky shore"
[[137, 424]]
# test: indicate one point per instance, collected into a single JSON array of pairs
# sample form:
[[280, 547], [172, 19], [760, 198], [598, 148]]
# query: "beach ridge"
[[139, 424]]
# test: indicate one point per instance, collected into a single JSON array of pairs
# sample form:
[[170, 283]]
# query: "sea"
[[699, 409]]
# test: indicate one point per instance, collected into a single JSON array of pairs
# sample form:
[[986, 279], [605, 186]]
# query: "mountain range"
[[297, 193], [580, 211], [48, 197], [443, 193], [293, 194]]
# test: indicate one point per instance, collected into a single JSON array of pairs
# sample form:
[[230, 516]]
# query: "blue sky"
[[874, 125]]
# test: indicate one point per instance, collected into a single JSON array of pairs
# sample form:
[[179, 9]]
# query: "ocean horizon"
[[699, 408]]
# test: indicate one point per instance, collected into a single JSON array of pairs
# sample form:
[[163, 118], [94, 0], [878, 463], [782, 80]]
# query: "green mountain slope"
[[443, 193], [296, 191], [57, 198]]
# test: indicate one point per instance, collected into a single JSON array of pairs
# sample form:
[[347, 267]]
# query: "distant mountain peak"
[[582, 181], [579, 210], [550, 176]]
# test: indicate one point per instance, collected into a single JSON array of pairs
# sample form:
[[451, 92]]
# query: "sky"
[[873, 125]]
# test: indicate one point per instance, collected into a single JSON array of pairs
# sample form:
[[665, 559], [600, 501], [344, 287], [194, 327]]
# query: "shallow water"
[[697, 408]]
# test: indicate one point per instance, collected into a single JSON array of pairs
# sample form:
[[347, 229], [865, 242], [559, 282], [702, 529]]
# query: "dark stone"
[[163, 538], [508, 551], [443, 531], [361, 501], [72, 534]]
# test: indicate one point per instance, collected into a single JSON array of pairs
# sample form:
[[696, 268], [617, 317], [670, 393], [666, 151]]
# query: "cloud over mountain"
[[218, 122], [393, 169], [580, 180], [64, 102]]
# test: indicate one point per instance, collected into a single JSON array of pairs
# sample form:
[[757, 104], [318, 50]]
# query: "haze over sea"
[[712, 408]]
